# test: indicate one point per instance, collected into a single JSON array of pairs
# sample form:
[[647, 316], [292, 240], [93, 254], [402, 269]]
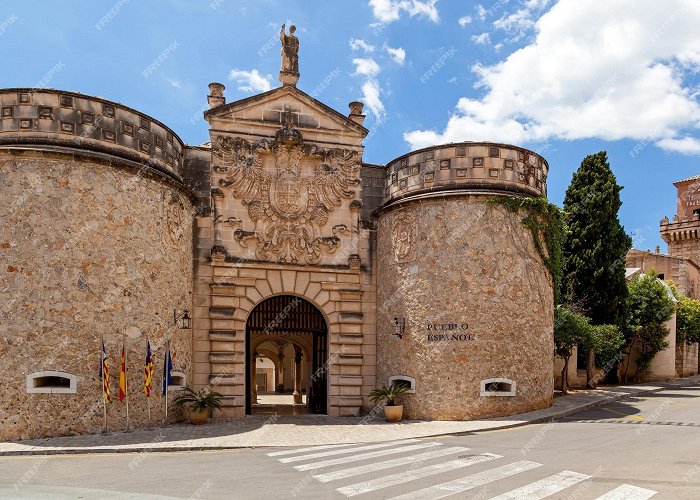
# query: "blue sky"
[[563, 78]]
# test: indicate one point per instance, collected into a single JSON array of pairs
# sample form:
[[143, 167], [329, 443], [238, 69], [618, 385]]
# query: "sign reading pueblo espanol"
[[449, 331]]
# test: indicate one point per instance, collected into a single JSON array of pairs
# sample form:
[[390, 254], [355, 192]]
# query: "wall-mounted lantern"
[[399, 326], [182, 321]]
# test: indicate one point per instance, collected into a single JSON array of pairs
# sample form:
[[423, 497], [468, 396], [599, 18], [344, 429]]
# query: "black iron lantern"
[[182, 321], [399, 326]]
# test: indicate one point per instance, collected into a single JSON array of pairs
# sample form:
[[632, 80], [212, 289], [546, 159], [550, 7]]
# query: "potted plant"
[[392, 411], [199, 403]]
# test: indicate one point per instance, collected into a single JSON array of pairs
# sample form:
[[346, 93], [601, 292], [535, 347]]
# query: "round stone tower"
[[464, 301], [96, 243]]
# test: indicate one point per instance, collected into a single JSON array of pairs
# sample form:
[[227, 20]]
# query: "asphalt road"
[[632, 449]]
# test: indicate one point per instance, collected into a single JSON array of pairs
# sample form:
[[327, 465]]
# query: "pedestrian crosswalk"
[[374, 469]]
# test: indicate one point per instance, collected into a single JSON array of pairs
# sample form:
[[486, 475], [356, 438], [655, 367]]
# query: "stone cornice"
[[76, 122]]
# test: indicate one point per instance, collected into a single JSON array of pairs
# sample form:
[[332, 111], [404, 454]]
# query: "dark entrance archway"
[[290, 317]]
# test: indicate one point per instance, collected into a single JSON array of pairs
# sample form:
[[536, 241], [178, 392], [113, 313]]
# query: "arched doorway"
[[291, 319]]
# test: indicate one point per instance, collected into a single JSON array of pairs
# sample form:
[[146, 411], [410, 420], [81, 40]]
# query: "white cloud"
[[356, 43], [175, 83], [613, 74], [370, 96], [397, 54], [387, 11], [481, 12], [463, 21], [685, 145], [519, 23], [371, 90], [483, 39], [366, 67], [251, 81]]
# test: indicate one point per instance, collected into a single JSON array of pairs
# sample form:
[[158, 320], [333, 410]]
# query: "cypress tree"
[[596, 246]]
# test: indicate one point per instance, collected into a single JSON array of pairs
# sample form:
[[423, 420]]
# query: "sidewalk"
[[311, 430]]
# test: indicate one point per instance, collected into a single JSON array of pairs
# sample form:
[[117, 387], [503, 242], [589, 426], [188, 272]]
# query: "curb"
[[535, 420]]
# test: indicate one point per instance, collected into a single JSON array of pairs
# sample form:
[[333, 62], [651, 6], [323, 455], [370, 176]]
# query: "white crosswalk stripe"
[[628, 492], [364, 456], [411, 464], [545, 487], [469, 482], [346, 450], [310, 448], [403, 477], [388, 464]]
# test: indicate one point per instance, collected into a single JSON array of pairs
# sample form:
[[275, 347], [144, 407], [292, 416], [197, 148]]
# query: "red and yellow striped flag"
[[122, 377], [148, 371], [104, 375]]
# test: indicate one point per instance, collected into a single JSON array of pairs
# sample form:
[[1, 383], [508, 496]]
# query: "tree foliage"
[[650, 306], [570, 329], [606, 341], [596, 245], [688, 320]]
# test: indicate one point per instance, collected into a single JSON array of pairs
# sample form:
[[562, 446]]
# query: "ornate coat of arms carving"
[[289, 189], [403, 238], [173, 213]]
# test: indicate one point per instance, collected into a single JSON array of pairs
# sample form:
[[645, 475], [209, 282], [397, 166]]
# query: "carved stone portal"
[[290, 189]]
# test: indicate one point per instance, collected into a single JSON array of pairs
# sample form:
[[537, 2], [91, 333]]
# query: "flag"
[[148, 371], [167, 369], [104, 375], [122, 377]]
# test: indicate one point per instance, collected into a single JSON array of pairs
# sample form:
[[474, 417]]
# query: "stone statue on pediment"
[[289, 70]]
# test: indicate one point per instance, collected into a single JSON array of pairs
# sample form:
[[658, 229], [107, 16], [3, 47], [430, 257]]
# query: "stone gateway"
[[310, 276]]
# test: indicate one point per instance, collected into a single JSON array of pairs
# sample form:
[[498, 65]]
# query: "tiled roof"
[[693, 178]]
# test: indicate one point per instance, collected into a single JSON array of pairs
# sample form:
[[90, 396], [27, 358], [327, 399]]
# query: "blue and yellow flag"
[[167, 369]]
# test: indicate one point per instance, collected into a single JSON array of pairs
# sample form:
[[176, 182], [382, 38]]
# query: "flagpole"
[[167, 356], [126, 381], [148, 396], [102, 371]]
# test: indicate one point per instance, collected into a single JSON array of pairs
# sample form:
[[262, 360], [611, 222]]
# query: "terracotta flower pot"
[[199, 417], [393, 413]]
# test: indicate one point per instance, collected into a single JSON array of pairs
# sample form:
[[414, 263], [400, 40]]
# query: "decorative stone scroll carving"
[[289, 201], [403, 239]]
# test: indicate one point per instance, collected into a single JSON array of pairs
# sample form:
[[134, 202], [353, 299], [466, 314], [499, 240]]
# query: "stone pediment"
[[263, 114]]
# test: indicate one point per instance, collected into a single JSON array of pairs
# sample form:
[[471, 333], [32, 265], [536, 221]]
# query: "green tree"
[[607, 342], [650, 306], [687, 320], [596, 246], [570, 329]]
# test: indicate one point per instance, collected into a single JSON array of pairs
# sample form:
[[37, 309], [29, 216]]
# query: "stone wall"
[[456, 268], [686, 359], [89, 249]]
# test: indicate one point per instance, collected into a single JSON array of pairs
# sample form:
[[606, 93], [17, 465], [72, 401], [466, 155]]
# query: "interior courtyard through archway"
[[286, 358]]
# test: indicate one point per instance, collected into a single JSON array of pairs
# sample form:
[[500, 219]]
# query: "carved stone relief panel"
[[403, 237], [173, 215], [289, 190]]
